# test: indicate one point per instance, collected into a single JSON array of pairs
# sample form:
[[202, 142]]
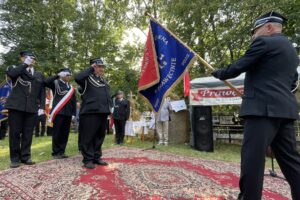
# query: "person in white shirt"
[[162, 122]]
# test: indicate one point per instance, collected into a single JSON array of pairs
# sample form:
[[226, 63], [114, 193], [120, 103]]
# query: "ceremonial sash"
[[61, 104]]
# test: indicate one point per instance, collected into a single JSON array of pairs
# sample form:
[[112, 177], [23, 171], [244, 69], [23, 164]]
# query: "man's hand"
[[217, 74], [63, 74], [41, 112], [28, 60], [94, 66]]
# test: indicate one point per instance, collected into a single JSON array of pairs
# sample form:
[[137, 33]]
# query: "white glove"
[[73, 117], [28, 60], [63, 74], [41, 112]]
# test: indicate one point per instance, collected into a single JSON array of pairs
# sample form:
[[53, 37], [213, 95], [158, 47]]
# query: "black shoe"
[[100, 162], [240, 197], [64, 156], [89, 165], [14, 164], [28, 162], [57, 157]]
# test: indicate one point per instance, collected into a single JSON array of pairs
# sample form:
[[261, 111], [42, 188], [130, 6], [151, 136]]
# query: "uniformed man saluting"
[[64, 107], [27, 94], [95, 108]]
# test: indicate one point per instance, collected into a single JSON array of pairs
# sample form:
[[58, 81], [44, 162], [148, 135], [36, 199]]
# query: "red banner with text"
[[215, 96]]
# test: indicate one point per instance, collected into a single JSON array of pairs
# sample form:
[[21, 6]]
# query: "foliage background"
[[67, 33]]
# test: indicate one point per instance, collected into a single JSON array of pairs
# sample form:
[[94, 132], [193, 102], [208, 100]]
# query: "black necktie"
[[29, 71]]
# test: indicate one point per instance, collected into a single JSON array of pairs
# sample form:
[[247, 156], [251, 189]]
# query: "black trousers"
[[107, 127], [61, 130], [49, 131], [3, 129], [79, 142], [259, 133], [79, 138], [91, 135], [21, 125], [120, 130], [40, 121]]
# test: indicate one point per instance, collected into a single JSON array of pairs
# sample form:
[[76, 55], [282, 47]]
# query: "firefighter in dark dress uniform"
[[95, 107], [27, 94], [64, 107], [269, 106], [120, 116]]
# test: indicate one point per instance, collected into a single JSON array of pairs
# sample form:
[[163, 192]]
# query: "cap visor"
[[100, 65], [255, 28]]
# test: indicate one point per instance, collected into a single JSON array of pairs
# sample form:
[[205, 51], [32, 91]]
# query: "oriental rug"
[[132, 174]]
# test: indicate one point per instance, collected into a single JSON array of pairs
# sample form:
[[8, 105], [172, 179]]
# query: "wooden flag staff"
[[198, 56]]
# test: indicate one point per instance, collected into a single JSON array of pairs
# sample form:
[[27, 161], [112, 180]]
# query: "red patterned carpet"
[[132, 174]]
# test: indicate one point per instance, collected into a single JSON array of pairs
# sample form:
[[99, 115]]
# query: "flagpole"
[[154, 133], [197, 55]]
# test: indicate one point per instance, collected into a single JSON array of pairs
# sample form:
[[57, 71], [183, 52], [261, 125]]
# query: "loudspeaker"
[[202, 128]]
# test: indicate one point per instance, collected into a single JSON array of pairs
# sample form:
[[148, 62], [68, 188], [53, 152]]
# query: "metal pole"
[[155, 133]]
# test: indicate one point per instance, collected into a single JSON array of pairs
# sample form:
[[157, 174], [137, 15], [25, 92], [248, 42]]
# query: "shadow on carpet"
[[132, 174]]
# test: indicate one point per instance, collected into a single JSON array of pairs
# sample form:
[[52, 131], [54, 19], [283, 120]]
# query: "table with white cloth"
[[133, 128]]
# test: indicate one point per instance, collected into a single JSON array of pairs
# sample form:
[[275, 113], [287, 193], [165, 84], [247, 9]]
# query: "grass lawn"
[[41, 150]]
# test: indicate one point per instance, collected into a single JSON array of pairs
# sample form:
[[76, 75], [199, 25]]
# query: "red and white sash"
[[61, 104]]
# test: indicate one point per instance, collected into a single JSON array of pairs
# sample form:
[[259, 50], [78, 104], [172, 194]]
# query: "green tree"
[[40, 26], [68, 33]]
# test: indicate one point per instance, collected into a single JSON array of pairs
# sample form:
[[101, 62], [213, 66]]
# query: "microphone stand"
[[154, 136], [272, 172]]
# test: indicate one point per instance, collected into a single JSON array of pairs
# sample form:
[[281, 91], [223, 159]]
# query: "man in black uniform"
[[120, 116], [95, 107], [269, 106], [64, 107], [27, 93]]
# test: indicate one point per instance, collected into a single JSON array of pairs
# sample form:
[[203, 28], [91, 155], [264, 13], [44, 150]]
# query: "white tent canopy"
[[213, 82]]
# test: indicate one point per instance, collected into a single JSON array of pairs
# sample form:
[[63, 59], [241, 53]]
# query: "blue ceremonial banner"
[[173, 59], [5, 89]]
